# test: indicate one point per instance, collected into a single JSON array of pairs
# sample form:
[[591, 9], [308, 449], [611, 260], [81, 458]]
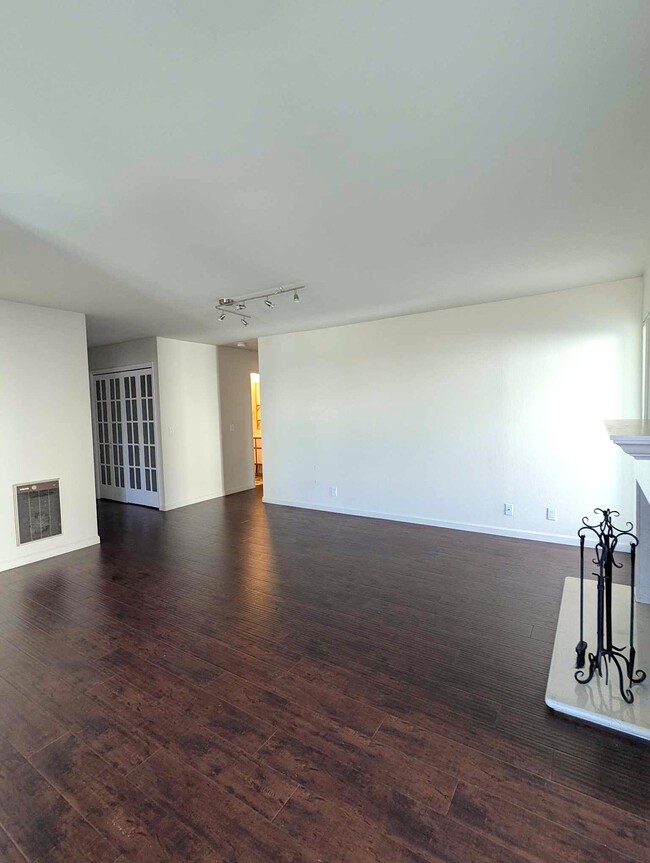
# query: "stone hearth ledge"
[[598, 702]]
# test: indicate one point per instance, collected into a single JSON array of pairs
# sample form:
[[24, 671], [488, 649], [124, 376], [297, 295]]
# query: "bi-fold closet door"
[[126, 436]]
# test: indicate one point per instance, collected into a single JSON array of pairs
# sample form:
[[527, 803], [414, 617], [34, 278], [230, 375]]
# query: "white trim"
[[133, 367], [635, 445], [237, 489], [537, 536], [190, 501], [45, 553]]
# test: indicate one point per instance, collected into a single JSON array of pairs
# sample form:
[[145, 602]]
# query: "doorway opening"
[[256, 419], [126, 436]]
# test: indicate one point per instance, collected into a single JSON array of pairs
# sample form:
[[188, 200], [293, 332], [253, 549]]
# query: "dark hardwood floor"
[[234, 682]]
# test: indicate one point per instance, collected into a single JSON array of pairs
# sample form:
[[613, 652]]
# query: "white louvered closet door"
[[126, 436]]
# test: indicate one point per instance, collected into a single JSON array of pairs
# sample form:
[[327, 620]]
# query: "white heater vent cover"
[[38, 510]]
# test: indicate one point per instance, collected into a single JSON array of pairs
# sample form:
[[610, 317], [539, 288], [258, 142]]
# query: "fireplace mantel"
[[633, 437]]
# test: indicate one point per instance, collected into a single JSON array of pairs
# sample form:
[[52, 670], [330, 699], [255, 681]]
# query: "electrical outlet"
[[334, 492], [551, 513], [508, 509], [232, 427]]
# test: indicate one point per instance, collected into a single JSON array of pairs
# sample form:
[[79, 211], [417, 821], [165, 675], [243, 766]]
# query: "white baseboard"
[[515, 533], [237, 489], [46, 551], [177, 504]]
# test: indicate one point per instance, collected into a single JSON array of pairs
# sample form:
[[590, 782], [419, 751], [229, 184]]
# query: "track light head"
[[244, 322], [269, 303], [241, 307], [296, 297], [222, 316]]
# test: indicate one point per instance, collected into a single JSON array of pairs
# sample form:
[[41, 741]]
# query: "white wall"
[[642, 470], [235, 367], [45, 426], [188, 386], [123, 354], [443, 417]]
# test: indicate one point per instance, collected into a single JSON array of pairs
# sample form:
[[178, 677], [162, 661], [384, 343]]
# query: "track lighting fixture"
[[233, 306]]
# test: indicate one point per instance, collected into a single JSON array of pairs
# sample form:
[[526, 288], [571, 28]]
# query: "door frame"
[[255, 433], [131, 367]]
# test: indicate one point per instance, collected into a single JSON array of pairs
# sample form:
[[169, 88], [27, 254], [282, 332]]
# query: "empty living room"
[[325, 431]]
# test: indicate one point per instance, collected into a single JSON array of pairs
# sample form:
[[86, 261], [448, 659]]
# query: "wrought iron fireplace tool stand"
[[607, 538]]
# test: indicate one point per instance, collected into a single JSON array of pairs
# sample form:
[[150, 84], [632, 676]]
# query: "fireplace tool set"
[[606, 653]]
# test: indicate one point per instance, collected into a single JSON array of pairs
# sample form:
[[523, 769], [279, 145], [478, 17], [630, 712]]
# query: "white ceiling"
[[396, 156]]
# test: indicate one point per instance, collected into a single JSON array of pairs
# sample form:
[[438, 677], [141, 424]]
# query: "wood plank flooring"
[[248, 684]]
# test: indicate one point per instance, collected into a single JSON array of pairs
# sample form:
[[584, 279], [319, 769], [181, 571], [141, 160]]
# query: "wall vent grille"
[[38, 510]]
